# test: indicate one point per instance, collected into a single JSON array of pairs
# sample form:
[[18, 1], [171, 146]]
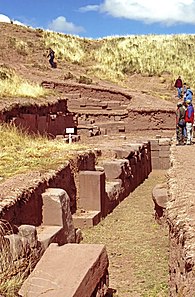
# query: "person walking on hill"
[[180, 123], [179, 85], [51, 56], [189, 120]]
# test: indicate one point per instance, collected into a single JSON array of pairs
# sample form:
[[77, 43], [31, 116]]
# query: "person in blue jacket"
[[189, 94]]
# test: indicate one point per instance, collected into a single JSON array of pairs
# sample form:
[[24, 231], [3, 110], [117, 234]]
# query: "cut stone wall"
[[112, 110], [51, 119], [150, 119], [160, 153]]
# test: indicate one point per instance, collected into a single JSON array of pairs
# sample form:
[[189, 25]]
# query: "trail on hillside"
[[137, 246]]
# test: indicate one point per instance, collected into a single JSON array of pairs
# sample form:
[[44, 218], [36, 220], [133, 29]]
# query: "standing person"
[[51, 56], [179, 85], [189, 119], [189, 94], [180, 123]]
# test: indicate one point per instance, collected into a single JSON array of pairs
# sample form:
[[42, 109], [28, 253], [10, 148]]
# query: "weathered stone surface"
[[30, 233], [160, 195], [86, 219], [160, 198], [116, 169], [113, 189], [72, 270], [50, 234], [91, 190], [123, 153], [56, 211]]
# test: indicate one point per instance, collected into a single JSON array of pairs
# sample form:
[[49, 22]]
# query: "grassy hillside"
[[114, 59]]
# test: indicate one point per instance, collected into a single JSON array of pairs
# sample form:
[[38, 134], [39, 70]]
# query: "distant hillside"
[[113, 59]]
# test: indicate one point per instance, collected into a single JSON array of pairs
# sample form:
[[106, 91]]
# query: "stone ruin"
[[30, 207], [52, 217]]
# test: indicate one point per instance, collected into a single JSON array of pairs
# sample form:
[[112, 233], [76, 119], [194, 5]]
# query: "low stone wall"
[[157, 119], [181, 220], [51, 119], [22, 203]]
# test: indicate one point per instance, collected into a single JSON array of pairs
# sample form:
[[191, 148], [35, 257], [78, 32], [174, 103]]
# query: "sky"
[[101, 18]]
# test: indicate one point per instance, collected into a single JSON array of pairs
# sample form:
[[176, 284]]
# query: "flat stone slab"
[[86, 219], [71, 270]]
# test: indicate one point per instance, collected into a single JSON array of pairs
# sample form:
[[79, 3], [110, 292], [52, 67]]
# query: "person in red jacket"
[[189, 120], [179, 85]]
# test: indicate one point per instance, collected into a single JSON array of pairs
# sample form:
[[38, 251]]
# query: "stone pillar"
[[56, 211], [92, 190]]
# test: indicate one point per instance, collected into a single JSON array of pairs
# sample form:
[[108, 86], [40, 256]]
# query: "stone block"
[[164, 154], [113, 189], [164, 148], [117, 118], [86, 219], [154, 144], [27, 121], [116, 169], [56, 211], [160, 195], [91, 190], [155, 154], [50, 234], [123, 153], [71, 270], [52, 209], [42, 123], [164, 141], [156, 163], [164, 163], [160, 198], [30, 233]]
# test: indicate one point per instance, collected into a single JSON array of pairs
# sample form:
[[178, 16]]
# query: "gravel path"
[[137, 247]]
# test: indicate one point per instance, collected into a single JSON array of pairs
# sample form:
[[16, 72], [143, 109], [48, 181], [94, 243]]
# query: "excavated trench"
[[137, 246]]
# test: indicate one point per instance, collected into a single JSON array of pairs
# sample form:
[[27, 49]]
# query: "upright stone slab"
[[72, 270], [92, 190], [56, 211]]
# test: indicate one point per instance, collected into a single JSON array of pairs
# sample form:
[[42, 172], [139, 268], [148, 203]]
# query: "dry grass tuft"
[[20, 152], [114, 58], [12, 85]]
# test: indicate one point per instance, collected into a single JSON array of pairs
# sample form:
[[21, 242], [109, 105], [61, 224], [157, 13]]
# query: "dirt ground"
[[137, 246]]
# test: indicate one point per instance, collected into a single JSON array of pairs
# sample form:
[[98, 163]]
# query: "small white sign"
[[69, 130]]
